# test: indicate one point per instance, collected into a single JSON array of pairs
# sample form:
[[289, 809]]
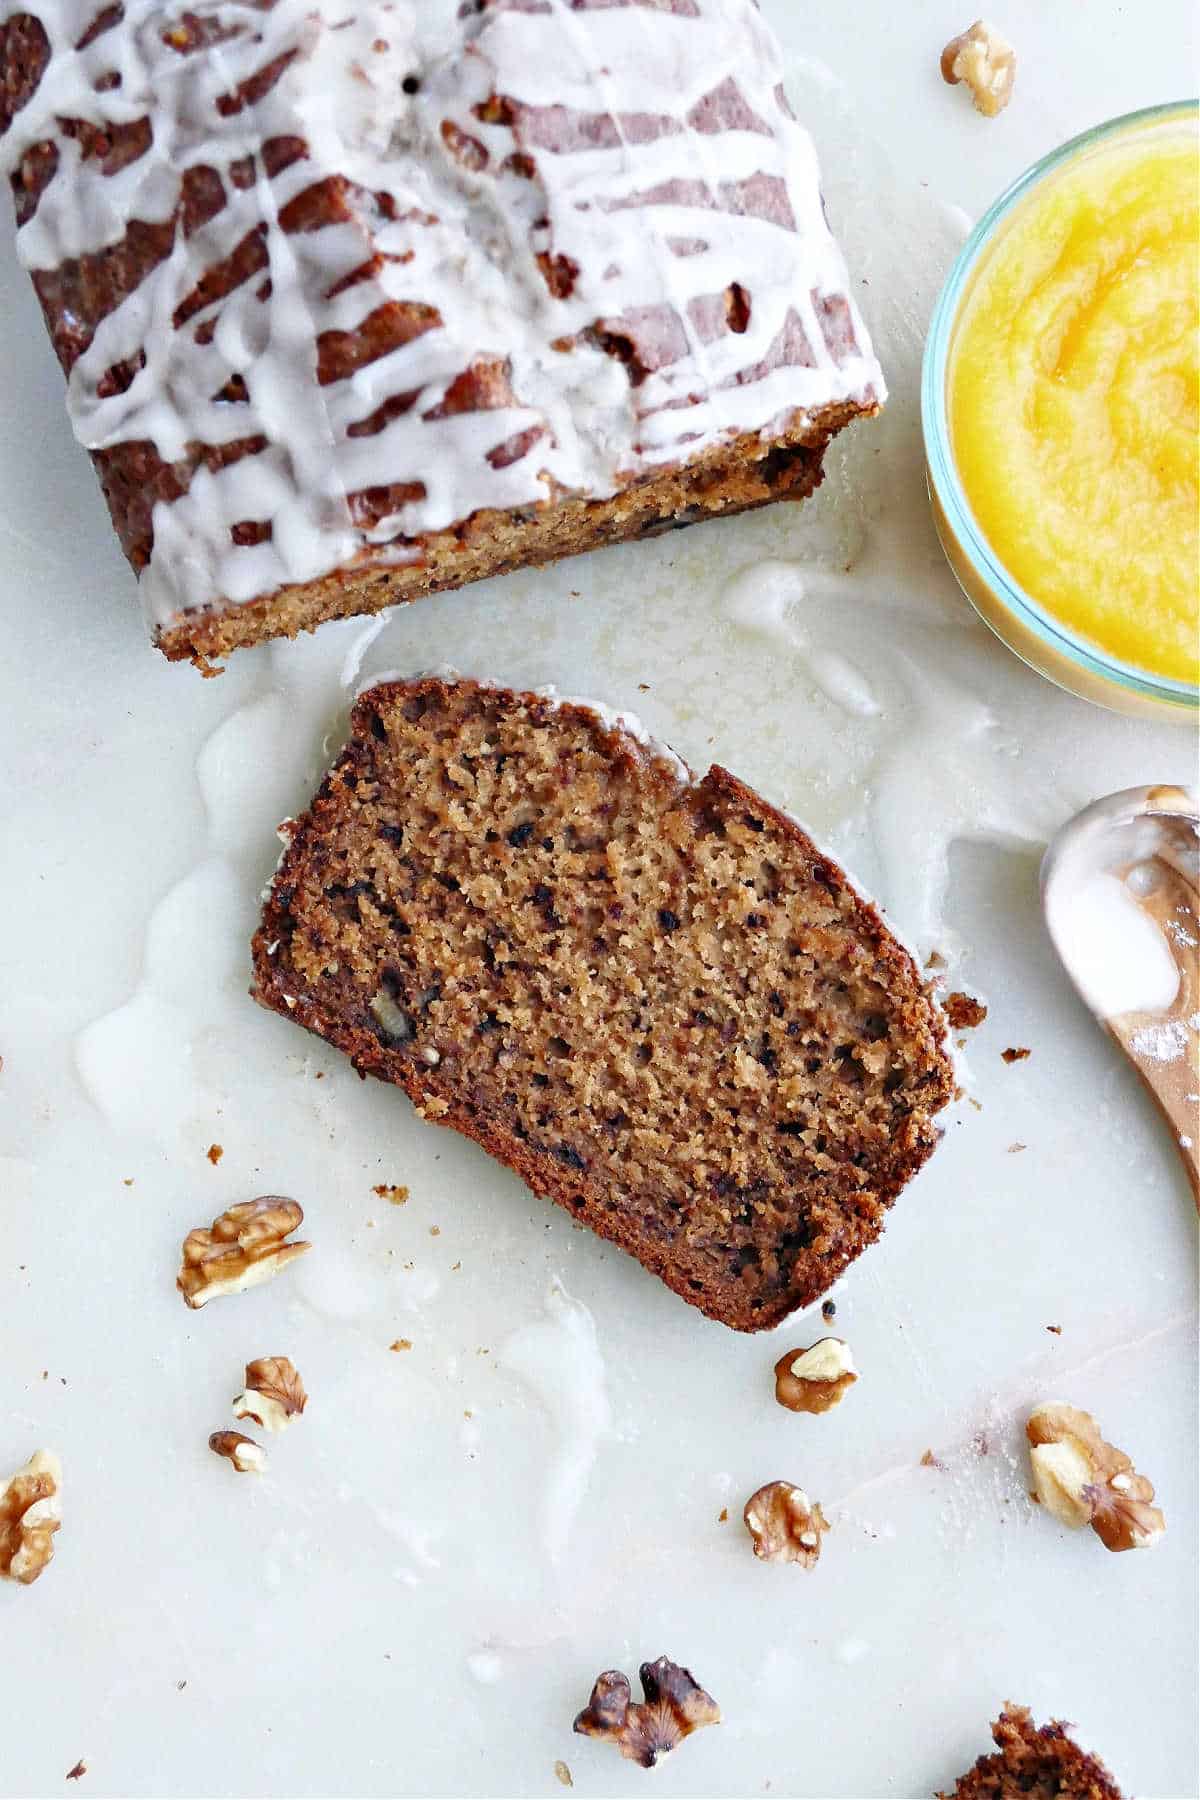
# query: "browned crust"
[[732, 478], [580, 1193], [1034, 1760]]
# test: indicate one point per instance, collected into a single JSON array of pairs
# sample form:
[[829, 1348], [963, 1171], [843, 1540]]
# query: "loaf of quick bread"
[[360, 301]]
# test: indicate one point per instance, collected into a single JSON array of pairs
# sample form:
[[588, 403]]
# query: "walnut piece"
[[986, 61], [644, 1730], [1082, 1480], [247, 1457], [241, 1249], [813, 1380], [785, 1524], [273, 1395], [30, 1514]]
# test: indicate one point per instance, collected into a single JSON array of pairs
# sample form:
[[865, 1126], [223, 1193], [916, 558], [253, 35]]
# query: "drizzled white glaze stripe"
[[608, 203]]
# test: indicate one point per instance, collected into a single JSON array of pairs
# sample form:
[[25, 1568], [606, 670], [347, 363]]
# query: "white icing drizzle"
[[644, 153]]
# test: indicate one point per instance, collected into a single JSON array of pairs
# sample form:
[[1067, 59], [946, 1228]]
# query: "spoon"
[[1121, 895]]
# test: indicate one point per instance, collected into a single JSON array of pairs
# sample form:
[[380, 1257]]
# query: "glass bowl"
[[1043, 642]]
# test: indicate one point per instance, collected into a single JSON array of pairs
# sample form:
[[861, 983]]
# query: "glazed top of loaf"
[[352, 270]]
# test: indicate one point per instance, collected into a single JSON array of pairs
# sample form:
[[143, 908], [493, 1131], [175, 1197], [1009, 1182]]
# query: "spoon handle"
[[1175, 1085]]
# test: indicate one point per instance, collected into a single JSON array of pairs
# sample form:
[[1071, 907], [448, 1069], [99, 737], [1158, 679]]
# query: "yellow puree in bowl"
[[1073, 399]]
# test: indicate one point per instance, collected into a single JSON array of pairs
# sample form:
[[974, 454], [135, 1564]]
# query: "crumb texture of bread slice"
[[1042, 1762], [647, 992]]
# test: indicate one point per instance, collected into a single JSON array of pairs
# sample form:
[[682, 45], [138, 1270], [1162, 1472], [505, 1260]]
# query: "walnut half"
[[986, 61], [644, 1730], [813, 1380], [1082, 1480], [242, 1248], [785, 1524], [273, 1395], [30, 1514]]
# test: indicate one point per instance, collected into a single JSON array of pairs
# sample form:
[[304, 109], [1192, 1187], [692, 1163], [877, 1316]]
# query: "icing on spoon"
[[1121, 895]]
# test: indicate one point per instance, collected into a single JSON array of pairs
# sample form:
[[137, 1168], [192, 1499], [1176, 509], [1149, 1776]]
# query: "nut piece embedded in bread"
[[983, 58], [1082, 1480], [786, 1526], [247, 1457], [273, 1395], [644, 1731], [243, 1248], [30, 1514], [645, 990], [816, 1379]]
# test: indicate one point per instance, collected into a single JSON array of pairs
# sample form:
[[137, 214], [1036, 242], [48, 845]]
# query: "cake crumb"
[[930, 1461], [1056, 1329], [1012, 1055], [128, 1181], [214, 1153], [563, 1773], [964, 1011], [723, 1516], [401, 1344], [77, 1772], [396, 1195], [435, 1231], [1013, 1149]]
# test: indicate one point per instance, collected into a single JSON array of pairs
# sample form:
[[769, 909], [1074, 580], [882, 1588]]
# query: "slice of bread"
[[1038, 1762], [647, 992]]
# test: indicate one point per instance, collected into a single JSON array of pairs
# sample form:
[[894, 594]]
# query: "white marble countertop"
[[455, 1539]]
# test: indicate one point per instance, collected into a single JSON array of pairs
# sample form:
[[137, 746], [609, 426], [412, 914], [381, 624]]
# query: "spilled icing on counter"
[[766, 599], [558, 1358]]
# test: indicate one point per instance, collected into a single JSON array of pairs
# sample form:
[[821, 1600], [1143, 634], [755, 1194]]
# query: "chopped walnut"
[[244, 1247], [785, 1524], [644, 1730], [814, 1380], [30, 1514], [391, 1018], [273, 1395], [987, 62], [247, 1457], [1083, 1480]]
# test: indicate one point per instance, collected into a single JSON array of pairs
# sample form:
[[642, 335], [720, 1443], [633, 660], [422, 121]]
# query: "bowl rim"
[[943, 473]]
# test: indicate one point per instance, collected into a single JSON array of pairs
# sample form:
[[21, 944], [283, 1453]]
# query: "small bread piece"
[[646, 991], [1035, 1762]]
